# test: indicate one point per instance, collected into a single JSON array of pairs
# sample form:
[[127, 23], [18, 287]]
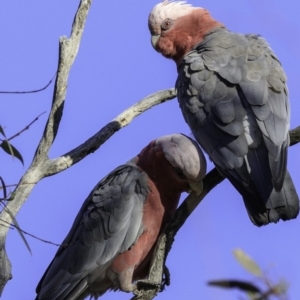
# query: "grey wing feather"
[[109, 223], [232, 92]]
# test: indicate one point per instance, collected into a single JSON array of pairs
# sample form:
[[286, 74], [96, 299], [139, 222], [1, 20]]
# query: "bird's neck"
[[160, 171], [194, 28], [161, 179]]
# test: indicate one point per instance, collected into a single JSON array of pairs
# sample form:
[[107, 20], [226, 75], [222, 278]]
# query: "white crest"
[[170, 9]]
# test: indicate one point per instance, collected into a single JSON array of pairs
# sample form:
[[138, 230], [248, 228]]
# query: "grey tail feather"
[[290, 209], [74, 291], [264, 204], [282, 205], [68, 291]]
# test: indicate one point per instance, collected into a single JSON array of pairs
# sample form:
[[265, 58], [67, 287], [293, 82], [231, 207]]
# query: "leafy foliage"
[[9, 148], [247, 262], [252, 290]]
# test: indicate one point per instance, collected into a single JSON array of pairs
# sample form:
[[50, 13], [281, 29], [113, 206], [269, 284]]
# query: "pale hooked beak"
[[196, 187], [154, 40]]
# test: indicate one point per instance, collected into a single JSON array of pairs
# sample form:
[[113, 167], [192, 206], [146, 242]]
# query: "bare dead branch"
[[68, 48], [166, 240], [41, 165], [29, 92], [92, 144]]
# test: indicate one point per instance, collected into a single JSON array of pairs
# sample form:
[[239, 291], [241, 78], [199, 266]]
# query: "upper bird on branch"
[[232, 92], [112, 239]]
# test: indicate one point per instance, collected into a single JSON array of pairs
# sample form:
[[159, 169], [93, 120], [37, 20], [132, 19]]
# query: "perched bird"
[[232, 92], [114, 234]]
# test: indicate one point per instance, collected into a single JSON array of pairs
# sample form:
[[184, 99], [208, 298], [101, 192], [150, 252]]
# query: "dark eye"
[[166, 24], [180, 173]]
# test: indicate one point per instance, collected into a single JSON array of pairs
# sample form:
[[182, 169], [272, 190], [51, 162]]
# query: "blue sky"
[[115, 67]]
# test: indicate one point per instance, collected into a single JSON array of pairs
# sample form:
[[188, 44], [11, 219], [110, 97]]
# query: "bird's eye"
[[180, 173], [166, 24]]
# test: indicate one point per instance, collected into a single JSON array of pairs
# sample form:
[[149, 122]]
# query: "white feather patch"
[[170, 9]]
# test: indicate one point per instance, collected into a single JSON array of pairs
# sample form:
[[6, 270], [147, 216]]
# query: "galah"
[[232, 92], [113, 237]]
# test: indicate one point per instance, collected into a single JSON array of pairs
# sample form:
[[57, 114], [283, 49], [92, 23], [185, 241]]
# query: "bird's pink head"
[[174, 160], [176, 27]]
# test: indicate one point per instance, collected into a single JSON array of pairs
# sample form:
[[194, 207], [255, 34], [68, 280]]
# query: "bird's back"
[[233, 94]]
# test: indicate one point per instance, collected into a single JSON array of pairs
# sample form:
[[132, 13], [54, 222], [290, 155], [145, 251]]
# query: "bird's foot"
[[144, 288], [166, 279], [147, 284], [152, 286]]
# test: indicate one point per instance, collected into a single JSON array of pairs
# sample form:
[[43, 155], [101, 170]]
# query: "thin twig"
[[74, 156], [8, 185], [12, 226], [68, 48], [30, 92], [16, 224], [26, 128]]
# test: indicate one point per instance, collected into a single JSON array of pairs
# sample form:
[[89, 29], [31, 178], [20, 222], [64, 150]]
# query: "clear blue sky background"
[[116, 66]]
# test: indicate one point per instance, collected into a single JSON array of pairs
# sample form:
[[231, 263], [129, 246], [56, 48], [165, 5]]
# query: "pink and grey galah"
[[112, 239], [233, 95]]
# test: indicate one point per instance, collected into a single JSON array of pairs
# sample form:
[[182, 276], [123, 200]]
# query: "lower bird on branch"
[[112, 239]]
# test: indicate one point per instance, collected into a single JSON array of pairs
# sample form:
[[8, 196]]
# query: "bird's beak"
[[196, 187], [154, 40]]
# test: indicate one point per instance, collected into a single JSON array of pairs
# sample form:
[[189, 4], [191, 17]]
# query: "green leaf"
[[11, 150], [18, 228], [247, 262], [232, 284], [4, 189], [2, 131]]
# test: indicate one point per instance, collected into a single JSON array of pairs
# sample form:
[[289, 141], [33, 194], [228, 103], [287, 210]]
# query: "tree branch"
[[68, 49], [92, 144], [166, 240], [41, 165]]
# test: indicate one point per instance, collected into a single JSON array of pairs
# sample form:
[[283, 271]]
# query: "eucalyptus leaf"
[[4, 188], [2, 131], [11, 150], [14, 220], [247, 262], [231, 284]]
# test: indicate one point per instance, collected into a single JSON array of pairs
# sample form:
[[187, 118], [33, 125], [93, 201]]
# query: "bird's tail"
[[282, 205]]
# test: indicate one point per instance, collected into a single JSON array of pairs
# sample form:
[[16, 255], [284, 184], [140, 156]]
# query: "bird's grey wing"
[[212, 105], [264, 87], [109, 223], [232, 92]]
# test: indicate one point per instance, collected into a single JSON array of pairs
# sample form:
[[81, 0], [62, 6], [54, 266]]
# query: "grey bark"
[[41, 165]]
